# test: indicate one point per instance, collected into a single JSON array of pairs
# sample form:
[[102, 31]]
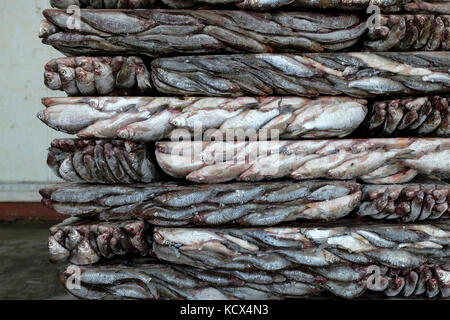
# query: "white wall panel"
[[23, 138]]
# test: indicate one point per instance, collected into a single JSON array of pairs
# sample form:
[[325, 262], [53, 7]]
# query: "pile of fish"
[[147, 119], [249, 149], [148, 32]]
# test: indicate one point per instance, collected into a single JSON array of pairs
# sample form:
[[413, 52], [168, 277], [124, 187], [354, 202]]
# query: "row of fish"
[[357, 74], [153, 280], [250, 204], [375, 161], [278, 248], [434, 6], [148, 119], [156, 33]]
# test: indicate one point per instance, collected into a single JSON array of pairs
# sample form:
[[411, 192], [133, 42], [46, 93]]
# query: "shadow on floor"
[[25, 272]]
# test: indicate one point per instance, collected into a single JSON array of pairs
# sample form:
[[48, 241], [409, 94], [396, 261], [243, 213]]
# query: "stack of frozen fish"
[[250, 149]]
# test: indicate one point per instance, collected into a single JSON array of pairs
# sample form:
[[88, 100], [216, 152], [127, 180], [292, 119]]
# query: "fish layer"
[[405, 246], [167, 282], [169, 204], [148, 119], [157, 33], [433, 6], [357, 74], [250, 204], [346, 260], [376, 161]]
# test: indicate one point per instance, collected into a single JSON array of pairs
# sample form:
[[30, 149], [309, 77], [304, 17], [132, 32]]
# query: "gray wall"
[[23, 138]]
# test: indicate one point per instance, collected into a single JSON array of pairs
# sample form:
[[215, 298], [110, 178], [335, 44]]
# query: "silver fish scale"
[[134, 238], [148, 119]]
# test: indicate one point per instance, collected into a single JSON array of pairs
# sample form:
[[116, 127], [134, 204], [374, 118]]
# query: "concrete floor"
[[25, 272]]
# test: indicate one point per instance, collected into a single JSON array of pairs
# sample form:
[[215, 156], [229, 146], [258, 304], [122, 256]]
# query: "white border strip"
[[21, 192]]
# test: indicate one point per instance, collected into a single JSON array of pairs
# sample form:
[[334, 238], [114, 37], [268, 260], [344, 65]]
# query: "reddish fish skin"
[[435, 7], [422, 116], [410, 32], [87, 242], [377, 161], [407, 199], [101, 161], [102, 79]]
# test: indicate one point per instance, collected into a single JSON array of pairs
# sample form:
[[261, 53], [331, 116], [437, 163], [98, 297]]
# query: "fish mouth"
[[47, 76], [41, 116]]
